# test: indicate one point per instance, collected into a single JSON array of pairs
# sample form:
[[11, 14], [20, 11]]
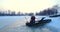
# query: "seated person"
[[32, 19]]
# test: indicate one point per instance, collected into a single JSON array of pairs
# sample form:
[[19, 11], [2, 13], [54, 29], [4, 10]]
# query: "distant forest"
[[49, 11]]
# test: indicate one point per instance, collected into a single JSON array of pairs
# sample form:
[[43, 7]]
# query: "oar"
[[26, 19], [42, 18]]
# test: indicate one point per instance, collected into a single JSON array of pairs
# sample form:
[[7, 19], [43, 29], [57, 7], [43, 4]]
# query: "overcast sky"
[[27, 5]]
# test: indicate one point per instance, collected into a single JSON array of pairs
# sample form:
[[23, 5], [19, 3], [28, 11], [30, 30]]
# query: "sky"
[[27, 5]]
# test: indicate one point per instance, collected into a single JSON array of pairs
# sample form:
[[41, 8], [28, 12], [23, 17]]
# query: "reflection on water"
[[19, 26]]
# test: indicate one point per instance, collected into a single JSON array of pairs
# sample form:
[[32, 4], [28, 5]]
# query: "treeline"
[[8, 13], [13, 13], [49, 11]]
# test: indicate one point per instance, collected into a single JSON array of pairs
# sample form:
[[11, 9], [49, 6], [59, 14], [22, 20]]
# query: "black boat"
[[39, 23], [54, 16]]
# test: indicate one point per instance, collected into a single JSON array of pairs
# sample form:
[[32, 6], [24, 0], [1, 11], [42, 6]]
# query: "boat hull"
[[40, 23]]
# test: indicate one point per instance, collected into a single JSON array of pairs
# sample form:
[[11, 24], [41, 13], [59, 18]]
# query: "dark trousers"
[[32, 21]]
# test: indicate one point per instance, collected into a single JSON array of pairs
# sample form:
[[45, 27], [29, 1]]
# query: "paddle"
[[26, 19], [42, 18]]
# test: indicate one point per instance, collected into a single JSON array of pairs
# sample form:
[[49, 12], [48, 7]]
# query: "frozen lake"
[[17, 24]]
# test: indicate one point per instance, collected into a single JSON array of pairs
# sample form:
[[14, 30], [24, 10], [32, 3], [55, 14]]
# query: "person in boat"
[[32, 19]]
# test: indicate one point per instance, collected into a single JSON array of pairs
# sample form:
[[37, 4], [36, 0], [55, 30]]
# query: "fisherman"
[[32, 21]]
